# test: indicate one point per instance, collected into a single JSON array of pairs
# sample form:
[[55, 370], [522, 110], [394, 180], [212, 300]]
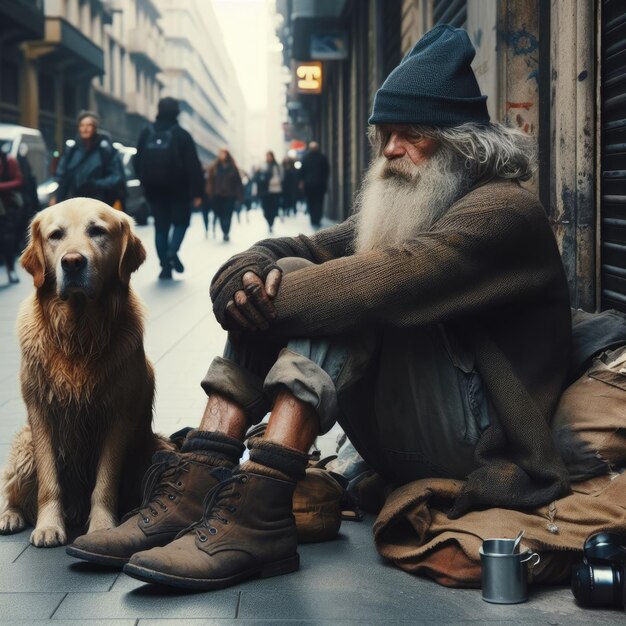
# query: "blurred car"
[[135, 203]]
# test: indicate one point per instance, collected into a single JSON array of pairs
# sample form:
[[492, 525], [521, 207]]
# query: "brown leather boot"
[[247, 530], [174, 490]]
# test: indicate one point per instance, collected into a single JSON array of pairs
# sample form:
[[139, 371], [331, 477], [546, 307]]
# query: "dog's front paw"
[[11, 521], [101, 519], [48, 536]]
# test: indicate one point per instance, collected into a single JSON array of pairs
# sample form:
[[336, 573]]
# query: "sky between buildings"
[[245, 25]]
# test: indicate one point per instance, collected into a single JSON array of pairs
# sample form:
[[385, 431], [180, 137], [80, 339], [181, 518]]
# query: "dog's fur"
[[86, 382]]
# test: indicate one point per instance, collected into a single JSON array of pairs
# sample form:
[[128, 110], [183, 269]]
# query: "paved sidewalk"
[[340, 582]]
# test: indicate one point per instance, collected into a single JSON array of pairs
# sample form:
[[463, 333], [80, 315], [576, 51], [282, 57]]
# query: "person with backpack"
[[270, 188], [169, 169], [90, 167], [11, 204], [224, 188]]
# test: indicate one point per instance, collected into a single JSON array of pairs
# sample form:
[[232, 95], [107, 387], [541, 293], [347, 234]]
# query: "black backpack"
[[160, 159]]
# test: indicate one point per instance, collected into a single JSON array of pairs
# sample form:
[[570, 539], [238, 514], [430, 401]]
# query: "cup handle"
[[528, 558]]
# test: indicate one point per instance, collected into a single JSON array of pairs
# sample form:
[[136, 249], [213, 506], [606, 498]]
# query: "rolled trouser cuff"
[[308, 382], [238, 385]]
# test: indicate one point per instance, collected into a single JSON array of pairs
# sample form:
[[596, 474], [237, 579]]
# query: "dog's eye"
[[56, 234], [96, 231]]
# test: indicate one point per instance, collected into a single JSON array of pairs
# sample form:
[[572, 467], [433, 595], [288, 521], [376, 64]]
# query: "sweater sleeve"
[[470, 262], [330, 243]]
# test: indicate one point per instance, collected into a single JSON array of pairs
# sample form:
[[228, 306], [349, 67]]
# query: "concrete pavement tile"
[[10, 550], [345, 605], [28, 606], [50, 569], [267, 622], [22, 537], [148, 602], [340, 566], [315, 622], [72, 622]]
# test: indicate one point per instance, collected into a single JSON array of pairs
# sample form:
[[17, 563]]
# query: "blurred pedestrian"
[[169, 169], [247, 194], [28, 192], [314, 180], [90, 167], [270, 188], [291, 178], [224, 189], [11, 205]]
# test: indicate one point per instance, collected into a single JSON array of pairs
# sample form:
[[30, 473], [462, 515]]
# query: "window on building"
[[69, 100], [9, 83], [46, 92]]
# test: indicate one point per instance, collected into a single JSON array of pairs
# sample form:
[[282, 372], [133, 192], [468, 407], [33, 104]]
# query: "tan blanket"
[[414, 532]]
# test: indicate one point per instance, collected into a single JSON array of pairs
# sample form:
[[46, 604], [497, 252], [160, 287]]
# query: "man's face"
[[223, 155], [401, 143], [87, 128], [410, 184]]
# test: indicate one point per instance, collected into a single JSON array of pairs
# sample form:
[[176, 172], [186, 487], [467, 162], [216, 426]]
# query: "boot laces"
[[217, 503], [162, 479]]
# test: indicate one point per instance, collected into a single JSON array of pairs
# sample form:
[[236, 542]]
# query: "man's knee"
[[292, 264]]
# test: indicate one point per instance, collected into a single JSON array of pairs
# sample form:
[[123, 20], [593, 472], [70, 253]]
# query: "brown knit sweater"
[[490, 268]]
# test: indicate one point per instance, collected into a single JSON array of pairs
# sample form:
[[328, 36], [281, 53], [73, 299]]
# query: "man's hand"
[[251, 307], [197, 202]]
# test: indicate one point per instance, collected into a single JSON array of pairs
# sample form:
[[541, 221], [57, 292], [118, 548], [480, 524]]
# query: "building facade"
[[118, 57], [46, 75], [556, 70], [134, 48], [198, 72]]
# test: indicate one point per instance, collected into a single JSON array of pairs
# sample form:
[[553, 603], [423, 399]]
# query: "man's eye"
[[56, 235], [96, 231]]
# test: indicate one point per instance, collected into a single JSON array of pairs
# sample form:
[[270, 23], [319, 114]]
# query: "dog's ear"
[[33, 259], [133, 254]]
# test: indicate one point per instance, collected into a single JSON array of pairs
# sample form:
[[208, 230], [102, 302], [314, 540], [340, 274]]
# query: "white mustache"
[[399, 199]]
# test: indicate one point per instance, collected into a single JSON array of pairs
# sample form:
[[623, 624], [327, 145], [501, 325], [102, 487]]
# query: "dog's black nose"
[[73, 262]]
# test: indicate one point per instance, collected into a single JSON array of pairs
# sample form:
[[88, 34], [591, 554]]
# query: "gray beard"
[[399, 200]]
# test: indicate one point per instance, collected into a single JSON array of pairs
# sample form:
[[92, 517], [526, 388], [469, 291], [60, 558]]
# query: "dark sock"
[[289, 461], [215, 445]]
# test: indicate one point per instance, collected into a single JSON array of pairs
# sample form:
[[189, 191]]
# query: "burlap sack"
[[589, 425], [317, 506]]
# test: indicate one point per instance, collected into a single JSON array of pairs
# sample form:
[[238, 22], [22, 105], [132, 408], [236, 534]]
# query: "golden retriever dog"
[[86, 382]]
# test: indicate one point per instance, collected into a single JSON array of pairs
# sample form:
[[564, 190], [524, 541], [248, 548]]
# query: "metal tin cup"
[[504, 573]]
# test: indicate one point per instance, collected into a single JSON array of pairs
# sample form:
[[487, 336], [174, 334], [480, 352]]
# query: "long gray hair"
[[487, 150]]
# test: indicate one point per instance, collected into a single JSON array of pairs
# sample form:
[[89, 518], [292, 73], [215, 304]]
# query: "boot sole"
[[147, 575], [98, 559]]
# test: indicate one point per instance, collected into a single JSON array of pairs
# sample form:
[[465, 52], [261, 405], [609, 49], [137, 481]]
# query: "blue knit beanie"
[[434, 85]]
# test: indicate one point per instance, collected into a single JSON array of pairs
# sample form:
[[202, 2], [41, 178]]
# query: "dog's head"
[[81, 245]]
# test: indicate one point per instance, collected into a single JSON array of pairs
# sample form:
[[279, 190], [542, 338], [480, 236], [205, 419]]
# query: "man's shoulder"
[[498, 195]]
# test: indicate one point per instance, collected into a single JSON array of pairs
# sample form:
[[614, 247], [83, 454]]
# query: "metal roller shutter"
[[453, 12], [613, 156]]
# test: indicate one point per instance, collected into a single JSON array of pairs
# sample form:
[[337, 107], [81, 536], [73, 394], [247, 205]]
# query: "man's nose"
[[394, 148], [73, 262]]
